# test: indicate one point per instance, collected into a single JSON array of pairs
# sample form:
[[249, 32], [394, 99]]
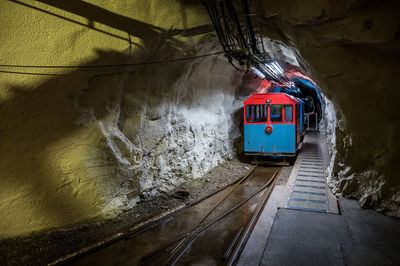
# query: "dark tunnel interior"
[[109, 110]]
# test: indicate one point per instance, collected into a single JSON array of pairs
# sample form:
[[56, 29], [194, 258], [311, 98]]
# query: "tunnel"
[[119, 117]]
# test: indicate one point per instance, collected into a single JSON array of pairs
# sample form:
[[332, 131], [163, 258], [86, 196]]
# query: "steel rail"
[[182, 238], [252, 223], [154, 254], [228, 251], [215, 207], [178, 251], [237, 182]]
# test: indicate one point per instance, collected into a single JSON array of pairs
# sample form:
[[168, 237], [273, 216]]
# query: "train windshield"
[[281, 113], [276, 113]]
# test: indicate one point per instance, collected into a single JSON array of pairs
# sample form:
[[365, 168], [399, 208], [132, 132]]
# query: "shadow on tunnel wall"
[[45, 144], [49, 147], [147, 32]]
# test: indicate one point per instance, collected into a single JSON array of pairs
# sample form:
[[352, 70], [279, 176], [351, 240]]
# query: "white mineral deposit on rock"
[[328, 128]]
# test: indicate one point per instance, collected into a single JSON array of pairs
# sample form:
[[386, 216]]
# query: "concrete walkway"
[[309, 190], [357, 237], [300, 224]]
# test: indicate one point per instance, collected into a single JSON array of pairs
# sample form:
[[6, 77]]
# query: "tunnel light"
[[258, 72], [276, 68], [270, 71]]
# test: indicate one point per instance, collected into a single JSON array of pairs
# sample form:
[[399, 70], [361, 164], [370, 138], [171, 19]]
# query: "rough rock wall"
[[86, 143], [352, 50], [171, 123]]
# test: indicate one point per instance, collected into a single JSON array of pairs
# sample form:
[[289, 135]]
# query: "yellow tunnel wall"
[[50, 174]]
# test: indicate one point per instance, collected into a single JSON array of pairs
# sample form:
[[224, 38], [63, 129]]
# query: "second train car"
[[273, 124]]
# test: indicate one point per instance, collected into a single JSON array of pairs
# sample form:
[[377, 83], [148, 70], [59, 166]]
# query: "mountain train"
[[275, 122]]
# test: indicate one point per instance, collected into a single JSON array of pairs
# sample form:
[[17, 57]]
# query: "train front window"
[[276, 113], [256, 113], [288, 113]]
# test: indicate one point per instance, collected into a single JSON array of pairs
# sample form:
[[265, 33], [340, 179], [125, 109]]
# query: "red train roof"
[[274, 97]]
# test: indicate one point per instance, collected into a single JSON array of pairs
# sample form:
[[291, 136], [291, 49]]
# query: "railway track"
[[211, 231]]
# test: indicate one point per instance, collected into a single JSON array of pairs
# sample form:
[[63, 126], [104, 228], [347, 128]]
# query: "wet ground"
[[208, 248], [42, 248]]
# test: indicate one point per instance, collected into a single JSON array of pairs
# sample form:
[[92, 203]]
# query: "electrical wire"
[[112, 65]]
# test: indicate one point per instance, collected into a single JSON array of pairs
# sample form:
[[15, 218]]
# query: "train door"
[[256, 118], [282, 138]]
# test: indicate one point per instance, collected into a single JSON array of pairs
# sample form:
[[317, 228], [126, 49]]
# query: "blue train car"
[[273, 124]]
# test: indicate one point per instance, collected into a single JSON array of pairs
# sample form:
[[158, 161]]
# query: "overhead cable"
[[111, 65]]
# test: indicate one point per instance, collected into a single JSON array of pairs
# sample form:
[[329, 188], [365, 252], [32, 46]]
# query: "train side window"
[[250, 113], [262, 112], [288, 113], [276, 113], [265, 113], [256, 113]]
